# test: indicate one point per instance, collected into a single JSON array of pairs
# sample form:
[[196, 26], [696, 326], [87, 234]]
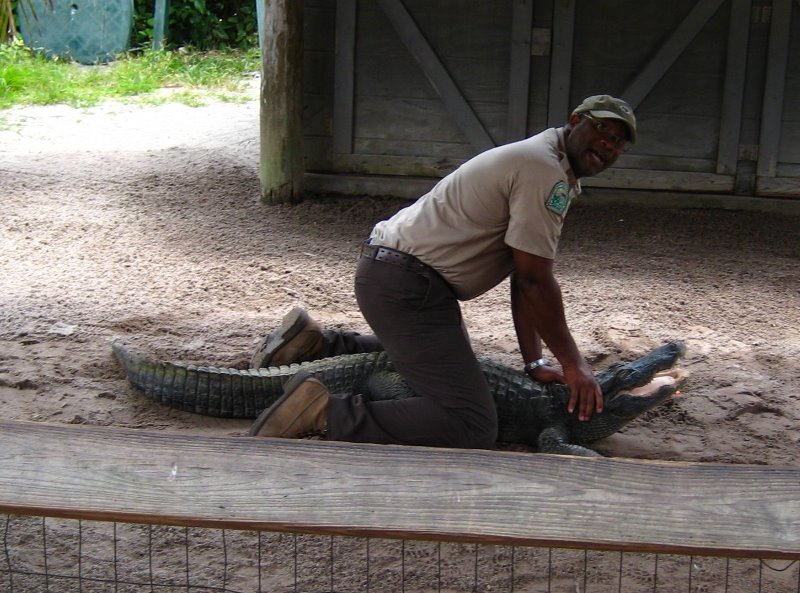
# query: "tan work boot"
[[302, 410], [299, 338]]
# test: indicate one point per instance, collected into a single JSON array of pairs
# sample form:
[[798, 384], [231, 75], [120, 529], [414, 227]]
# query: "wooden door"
[[420, 86]]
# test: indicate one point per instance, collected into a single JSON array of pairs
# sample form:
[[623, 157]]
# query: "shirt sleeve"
[[536, 213]]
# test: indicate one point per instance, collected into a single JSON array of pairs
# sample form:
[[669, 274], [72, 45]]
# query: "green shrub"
[[202, 24]]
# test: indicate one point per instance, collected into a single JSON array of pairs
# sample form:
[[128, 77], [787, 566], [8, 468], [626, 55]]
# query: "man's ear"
[[573, 121]]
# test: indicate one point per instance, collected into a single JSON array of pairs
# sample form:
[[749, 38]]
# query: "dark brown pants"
[[417, 320]]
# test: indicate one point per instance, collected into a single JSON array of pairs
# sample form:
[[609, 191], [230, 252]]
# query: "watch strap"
[[534, 364]]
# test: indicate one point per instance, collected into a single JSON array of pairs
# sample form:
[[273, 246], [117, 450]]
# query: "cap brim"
[[602, 113]]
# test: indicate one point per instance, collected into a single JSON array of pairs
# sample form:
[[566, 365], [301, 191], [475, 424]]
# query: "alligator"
[[530, 413]]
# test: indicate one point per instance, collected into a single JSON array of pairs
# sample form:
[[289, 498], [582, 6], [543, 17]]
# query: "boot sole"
[[297, 379], [293, 323]]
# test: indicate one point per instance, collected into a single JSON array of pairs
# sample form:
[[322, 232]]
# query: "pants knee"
[[481, 435]]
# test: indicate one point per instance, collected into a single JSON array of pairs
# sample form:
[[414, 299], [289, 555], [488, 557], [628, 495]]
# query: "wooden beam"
[[323, 487], [638, 173], [160, 24], [558, 108], [519, 70], [344, 76], [690, 181], [787, 187], [260, 16], [774, 86], [654, 71], [680, 200], [437, 74], [281, 162], [733, 93], [403, 186], [400, 186], [385, 164]]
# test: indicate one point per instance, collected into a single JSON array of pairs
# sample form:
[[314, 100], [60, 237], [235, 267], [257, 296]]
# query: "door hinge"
[[748, 152]]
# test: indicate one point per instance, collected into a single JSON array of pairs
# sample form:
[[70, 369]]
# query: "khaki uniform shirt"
[[514, 195]]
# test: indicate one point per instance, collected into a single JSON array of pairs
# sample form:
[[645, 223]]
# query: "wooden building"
[[397, 93]]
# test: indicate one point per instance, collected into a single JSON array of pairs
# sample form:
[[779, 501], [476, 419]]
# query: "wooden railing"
[[320, 487]]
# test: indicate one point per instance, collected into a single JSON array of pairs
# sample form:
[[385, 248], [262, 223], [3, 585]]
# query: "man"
[[499, 214]]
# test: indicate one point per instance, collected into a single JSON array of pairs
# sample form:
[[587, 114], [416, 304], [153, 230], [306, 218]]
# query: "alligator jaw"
[[630, 390], [633, 403], [640, 372], [636, 401], [654, 385]]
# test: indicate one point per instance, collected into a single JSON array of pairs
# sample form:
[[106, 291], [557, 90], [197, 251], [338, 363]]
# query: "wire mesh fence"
[[71, 555]]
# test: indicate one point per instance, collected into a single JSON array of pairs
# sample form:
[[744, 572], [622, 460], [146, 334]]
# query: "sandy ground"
[[143, 224]]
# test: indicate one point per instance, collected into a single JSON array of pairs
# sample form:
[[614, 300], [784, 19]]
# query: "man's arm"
[[539, 311], [530, 343]]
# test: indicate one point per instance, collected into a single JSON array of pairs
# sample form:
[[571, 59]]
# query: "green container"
[[87, 31]]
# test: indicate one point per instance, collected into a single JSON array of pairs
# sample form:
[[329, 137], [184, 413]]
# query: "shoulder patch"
[[559, 198]]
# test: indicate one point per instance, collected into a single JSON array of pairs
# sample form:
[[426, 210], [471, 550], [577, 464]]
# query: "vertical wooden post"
[[160, 24], [281, 162], [519, 87], [260, 23], [774, 88], [558, 105]]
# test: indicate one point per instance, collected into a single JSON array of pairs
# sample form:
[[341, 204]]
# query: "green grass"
[[28, 78]]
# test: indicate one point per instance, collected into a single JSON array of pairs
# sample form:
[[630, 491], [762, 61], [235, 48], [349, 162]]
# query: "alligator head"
[[629, 390]]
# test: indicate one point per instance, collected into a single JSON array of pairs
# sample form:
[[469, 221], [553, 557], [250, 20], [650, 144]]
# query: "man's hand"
[[584, 392], [547, 374], [539, 315]]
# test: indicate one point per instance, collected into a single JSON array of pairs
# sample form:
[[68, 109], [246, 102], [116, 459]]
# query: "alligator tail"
[[236, 393]]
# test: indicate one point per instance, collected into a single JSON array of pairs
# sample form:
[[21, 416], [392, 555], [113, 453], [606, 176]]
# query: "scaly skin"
[[530, 413]]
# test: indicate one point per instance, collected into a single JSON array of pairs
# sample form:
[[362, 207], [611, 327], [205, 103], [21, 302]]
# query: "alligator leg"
[[384, 385], [555, 440]]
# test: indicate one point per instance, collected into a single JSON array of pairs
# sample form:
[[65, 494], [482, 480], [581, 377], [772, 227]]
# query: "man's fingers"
[[587, 405], [585, 394], [591, 401], [573, 399]]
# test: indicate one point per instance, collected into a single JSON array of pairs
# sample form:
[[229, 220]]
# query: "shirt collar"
[[573, 181]]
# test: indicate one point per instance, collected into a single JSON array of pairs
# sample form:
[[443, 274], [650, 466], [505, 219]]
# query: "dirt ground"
[[143, 224]]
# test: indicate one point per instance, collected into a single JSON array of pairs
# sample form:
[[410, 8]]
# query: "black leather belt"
[[393, 256]]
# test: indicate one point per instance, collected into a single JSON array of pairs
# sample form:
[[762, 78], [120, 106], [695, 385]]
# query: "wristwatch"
[[533, 365]]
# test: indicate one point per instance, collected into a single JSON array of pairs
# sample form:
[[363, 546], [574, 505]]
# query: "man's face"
[[593, 145]]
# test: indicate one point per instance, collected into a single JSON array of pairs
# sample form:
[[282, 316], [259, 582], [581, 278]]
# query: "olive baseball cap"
[[608, 107]]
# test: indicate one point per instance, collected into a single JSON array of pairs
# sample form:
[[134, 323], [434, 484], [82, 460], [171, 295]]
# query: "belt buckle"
[[367, 250]]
